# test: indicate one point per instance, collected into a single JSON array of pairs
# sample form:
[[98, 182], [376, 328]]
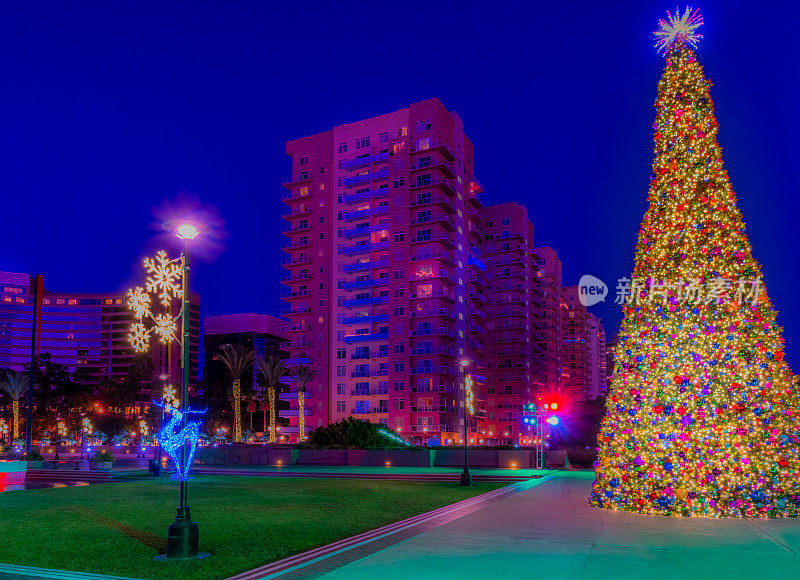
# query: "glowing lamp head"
[[554, 406], [552, 420], [183, 229]]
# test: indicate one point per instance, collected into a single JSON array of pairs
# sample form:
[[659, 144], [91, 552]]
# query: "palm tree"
[[237, 358], [302, 375], [16, 385], [271, 371]]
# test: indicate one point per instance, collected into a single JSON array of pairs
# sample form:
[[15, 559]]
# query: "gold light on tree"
[[163, 281], [468, 384]]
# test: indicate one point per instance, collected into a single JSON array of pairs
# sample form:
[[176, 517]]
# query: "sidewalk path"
[[550, 531]]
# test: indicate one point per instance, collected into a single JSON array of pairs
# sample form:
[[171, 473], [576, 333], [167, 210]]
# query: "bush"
[[352, 433], [32, 456], [103, 457], [581, 457]]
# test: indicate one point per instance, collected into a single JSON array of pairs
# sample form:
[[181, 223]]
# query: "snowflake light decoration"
[[139, 302], [165, 280], [165, 327], [164, 277], [678, 30]]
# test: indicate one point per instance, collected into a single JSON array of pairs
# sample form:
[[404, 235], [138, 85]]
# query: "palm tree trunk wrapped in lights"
[[236, 358], [270, 371], [302, 375], [16, 385], [272, 434]]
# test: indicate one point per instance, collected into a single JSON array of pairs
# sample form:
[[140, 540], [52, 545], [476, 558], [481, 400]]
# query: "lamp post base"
[[183, 539], [466, 477]]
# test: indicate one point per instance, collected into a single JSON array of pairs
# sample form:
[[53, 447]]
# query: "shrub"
[[352, 433], [103, 457]]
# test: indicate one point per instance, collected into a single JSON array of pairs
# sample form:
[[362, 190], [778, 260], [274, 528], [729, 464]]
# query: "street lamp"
[[183, 536], [466, 478], [169, 280]]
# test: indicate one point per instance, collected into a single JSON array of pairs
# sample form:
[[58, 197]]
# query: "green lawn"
[[244, 522]]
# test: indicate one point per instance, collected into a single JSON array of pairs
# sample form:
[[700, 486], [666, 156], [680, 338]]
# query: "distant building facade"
[[87, 331]]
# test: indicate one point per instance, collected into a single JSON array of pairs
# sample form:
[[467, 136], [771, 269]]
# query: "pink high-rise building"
[[396, 274], [584, 349], [378, 269]]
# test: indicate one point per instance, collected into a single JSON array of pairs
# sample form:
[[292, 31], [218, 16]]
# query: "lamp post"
[[466, 478], [183, 536]]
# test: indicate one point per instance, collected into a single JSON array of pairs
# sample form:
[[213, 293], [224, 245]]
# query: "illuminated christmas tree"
[[702, 418]]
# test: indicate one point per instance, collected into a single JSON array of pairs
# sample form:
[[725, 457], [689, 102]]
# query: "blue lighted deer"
[[172, 441]]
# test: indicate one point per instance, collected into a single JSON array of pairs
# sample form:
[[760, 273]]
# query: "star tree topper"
[[678, 30]]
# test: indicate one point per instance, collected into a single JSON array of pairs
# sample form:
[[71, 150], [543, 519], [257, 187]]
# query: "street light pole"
[[183, 537]]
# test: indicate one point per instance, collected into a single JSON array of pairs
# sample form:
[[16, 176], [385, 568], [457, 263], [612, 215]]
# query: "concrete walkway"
[[550, 531]]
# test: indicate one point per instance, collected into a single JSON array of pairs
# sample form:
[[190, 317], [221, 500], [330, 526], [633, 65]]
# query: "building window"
[[340, 388], [383, 137], [362, 142], [423, 126], [506, 221], [341, 406], [399, 404], [423, 144], [399, 386], [340, 371], [399, 347], [399, 310], [341, 353], [304, 160], [399, 236], [399, 366], [342, 147], [399, 182]]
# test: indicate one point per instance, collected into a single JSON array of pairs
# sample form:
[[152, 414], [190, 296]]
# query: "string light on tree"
[[702, 417]]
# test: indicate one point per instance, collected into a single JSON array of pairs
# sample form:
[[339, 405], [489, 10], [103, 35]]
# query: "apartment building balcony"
[[355, 338], [368, 265], [433, 409], [509, 325], [364, 161], [477, 313], [441, 331], [295, 212], [502, 249], [513, 299], [434, 313], [363, 248], [302, 343], [294, 180], [445, 389], [365, 213], [443, 220], [369, 392], [507, 259], [441, 237], [292, 413], [302, 360], [369, 373], [430, 429], [296, 244], [293, 295], [292, 396], [508, 275], [476, 279], [440, 146], [447, 168], [371, 283], [510, 312], [352, 198], [295, 311], [295, 278], [296, 261], [476, 263], [512, 365], [363, 230], [290, 197], [513, 353], [441, 274], [475, 329], [366, 178], [442, 183], [443, 293], [379, 411], [434, 350], [435, 370], [441, 255], [511, 339], [365, 301], [296, 326], [365, 319], [478, 296], [475, 231], [442, 201]]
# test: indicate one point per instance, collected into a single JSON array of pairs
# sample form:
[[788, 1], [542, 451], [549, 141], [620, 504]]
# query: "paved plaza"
[[550, 531]]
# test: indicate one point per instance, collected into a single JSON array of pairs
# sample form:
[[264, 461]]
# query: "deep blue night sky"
[[108, 108]]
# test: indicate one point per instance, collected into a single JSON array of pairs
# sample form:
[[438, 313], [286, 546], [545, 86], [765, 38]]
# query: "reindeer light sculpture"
[[172, 441]]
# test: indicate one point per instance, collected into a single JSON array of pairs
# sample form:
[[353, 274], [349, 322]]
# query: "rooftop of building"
[[243, 323]]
